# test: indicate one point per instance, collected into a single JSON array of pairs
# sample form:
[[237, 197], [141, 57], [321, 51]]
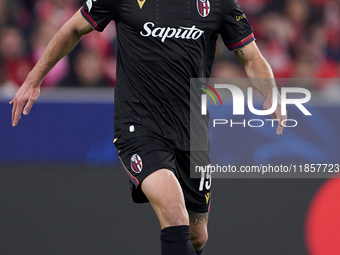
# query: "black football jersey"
[[161, 45]]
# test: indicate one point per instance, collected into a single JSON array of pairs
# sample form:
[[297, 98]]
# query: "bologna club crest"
[[136, 163], [203, 7]]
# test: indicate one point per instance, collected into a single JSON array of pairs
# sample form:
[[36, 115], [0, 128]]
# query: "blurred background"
[[63, 191], [299, 38]]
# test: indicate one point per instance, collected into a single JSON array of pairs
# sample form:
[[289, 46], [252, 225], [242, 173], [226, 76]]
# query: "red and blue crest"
[[136, 163], [203, 7]]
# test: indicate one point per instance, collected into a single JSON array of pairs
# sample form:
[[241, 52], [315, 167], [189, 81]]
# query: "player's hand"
[[25, 96], [277, 114]]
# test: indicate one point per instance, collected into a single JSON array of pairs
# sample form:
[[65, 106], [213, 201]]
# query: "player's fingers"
[[279, 129], [279, 117], [28, 106], [13, 109], [17, 117], [283, 121], [12, 101], [17, 113]]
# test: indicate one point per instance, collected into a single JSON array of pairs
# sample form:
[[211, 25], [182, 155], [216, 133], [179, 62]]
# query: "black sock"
[[199, 252], [176, 241]]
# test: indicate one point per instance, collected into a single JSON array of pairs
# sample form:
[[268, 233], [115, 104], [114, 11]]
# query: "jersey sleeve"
[[99, 13], [235, 29]]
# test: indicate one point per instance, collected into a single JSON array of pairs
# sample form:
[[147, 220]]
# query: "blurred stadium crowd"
[[299, 38]]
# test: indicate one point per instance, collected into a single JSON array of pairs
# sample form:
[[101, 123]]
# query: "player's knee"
[[199, 240], [175, 214]]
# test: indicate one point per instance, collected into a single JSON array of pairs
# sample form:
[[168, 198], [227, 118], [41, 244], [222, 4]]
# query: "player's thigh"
[[166, 197], [141, 155]]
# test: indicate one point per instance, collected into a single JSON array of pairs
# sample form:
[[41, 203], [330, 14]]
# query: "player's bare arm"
[[256, 66], [61, 44]]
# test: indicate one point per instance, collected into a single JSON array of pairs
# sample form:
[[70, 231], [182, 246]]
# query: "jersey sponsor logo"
[[168, 32], [203, 7], [141, 3], [136, 163]]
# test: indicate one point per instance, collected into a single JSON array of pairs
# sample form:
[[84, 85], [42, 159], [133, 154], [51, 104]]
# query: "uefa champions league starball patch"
[[203, 7], [136, 163]]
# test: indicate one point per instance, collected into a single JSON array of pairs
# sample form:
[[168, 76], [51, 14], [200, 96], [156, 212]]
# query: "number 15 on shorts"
[[205, 180]]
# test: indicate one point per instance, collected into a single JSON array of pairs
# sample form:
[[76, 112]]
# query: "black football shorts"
[[143, 152]]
